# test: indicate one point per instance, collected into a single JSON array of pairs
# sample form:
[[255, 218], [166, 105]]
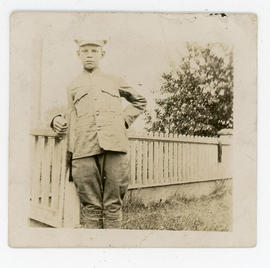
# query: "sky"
[[140, 48]]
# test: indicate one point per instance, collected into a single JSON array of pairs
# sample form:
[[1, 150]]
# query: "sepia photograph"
[[131, 120]]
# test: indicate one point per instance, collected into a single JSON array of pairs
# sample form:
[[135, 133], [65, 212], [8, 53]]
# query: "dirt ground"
[[208, 213]]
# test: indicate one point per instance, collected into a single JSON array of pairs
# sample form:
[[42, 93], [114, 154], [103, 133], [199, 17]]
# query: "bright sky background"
[[140, 47]]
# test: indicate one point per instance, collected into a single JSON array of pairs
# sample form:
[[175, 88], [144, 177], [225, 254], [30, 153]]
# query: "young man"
[[99, 143]]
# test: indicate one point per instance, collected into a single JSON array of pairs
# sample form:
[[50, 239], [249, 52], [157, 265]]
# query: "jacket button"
[[97, 113], [98, 128]]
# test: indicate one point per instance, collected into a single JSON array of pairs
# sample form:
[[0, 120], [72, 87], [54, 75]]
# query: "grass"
[[208, 213]]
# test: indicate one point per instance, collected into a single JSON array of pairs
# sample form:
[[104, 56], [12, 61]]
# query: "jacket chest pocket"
[[81, 103], [111, 100]]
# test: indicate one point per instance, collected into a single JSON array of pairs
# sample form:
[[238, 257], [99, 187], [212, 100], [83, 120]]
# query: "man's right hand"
[[59, 125]]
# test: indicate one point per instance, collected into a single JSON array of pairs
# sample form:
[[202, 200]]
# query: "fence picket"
[[171, 159], [166, 159], [139, 163], [38, 173], [145, 161], [211, 162], [156, 158], [197, 161], [133, 161], [189, 160], [205, 162], [150, 161], [63, 175], [183, 162], [192, 159], [33, 141], [175, 175], [179, 161], [215, 160], [46, 172], [56, 168], [161, 160]]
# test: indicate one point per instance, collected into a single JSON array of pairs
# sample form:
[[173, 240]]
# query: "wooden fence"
[[155, 160], [49, 191], [158, 159]]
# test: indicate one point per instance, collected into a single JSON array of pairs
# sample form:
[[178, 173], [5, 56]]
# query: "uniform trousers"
[[102, 182]]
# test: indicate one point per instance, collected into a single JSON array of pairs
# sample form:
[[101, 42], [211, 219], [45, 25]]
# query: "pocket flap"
[[79, 94], [112, 92]]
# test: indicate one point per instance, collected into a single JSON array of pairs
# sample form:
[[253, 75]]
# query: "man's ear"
[[103, 52], [78, 52]]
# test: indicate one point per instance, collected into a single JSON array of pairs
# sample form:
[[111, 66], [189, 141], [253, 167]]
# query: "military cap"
[[81, 43]]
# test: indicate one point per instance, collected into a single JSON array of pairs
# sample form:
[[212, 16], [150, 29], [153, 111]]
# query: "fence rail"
[[155, 160]]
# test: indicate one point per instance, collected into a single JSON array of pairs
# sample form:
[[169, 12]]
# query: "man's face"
[[90, 56]]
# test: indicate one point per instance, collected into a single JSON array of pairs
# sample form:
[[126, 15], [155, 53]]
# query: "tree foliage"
[[196, 98]]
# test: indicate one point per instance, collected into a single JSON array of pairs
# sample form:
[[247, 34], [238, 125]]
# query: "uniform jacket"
[[96, 117]]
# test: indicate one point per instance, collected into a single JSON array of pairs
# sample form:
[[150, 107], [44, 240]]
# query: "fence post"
[[71, 217], [70, 198], [225, 152], [225, 135]]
